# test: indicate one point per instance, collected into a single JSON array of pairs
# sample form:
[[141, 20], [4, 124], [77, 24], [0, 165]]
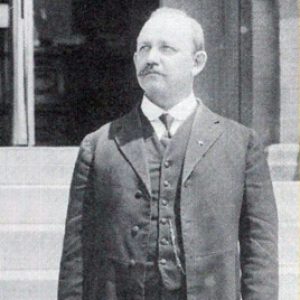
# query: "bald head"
[[196, 30]]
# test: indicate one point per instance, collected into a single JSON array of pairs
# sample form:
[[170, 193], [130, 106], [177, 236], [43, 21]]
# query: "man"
[[171, 201]]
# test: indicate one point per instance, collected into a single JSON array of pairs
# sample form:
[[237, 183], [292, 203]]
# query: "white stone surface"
[[32, 285], [30, 247], [37, 166], [283, 161], [32, 220], [289, 79], [288, 200], [32, 204]]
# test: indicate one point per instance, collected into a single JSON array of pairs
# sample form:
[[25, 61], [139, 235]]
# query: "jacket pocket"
[[213, 276]]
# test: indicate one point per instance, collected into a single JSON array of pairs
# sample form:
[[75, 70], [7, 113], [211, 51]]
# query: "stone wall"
[[289, 71]]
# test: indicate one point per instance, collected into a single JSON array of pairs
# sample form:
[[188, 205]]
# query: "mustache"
[[148, 70]]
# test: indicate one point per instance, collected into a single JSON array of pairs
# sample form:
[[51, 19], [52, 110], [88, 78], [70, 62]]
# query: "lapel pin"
[[200, 143]]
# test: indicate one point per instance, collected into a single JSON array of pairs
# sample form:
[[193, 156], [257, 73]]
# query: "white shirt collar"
[[179, 112]]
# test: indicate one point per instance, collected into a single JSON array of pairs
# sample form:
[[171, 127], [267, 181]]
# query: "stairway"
[[34, 186], [287, 197], [284, 166]]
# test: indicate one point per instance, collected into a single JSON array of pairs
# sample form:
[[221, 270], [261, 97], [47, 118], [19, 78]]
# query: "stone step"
[[33, 204], [33, 200], [47, 204], [30, 247], [36, 224], [28, 285], [283, 160], [287, 194], [288, 245], [39, 247], [38, 285], [37, 166], [289, 283], [54, 165]]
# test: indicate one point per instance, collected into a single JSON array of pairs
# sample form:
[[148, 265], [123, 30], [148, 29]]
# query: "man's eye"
[[168, 49], [144, 48]]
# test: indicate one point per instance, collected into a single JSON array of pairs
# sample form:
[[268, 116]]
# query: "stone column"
[[266, 70], [284, 156], [23, 73], [289, 69], [19, 134]]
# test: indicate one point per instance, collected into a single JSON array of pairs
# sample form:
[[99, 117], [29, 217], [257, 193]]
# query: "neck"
[[168, 102]]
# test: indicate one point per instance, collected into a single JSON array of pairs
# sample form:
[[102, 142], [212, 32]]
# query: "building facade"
[[66, 68]]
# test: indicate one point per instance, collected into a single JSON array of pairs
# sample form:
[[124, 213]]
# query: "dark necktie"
[[167, 120]]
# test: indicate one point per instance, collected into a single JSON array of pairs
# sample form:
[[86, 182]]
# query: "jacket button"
[[163, 221], [166, 183], [164, 241], [138, 194], [135, 229], [162, 261], [132, 263], [167, 164], [164, 202]]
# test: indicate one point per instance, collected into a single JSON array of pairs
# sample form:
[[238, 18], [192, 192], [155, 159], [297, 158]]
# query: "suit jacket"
[[228, 213]]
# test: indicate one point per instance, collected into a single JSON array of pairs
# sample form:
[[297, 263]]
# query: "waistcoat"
[[165, 168]]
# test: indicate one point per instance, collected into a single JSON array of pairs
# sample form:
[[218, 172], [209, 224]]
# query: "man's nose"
[[153, 56]]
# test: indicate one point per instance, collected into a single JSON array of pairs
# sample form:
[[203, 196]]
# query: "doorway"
[[5, 75], [84, 74]]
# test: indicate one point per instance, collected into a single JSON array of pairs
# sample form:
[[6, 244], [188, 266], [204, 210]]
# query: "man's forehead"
[[167, 27]]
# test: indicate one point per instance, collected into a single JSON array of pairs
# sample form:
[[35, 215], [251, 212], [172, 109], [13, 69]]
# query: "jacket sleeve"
[[70, 286], [258, 229]]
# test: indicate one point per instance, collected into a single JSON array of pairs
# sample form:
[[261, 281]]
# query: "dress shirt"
[[180, 112]]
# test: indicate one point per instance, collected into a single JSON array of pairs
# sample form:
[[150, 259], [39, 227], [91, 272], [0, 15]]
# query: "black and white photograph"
[[149, 150]]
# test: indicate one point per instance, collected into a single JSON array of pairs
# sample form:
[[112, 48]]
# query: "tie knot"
[[167, 120]]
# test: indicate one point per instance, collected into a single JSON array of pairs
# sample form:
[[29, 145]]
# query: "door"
[[84, 75]]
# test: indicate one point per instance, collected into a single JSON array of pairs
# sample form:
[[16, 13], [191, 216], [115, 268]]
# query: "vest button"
[[163, 221], [164, 241], [164, 202], [138, 194], [166, 183], [167, 164], [162, 261], [135, 229], [132, 263]]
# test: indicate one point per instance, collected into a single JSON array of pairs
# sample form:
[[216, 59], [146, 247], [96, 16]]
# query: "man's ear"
[[200, 58]]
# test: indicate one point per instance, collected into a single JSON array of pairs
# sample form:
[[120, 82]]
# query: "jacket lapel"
[[205, 131], [129, 138]]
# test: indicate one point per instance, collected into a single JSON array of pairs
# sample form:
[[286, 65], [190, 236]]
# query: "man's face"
[[164, 59]]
